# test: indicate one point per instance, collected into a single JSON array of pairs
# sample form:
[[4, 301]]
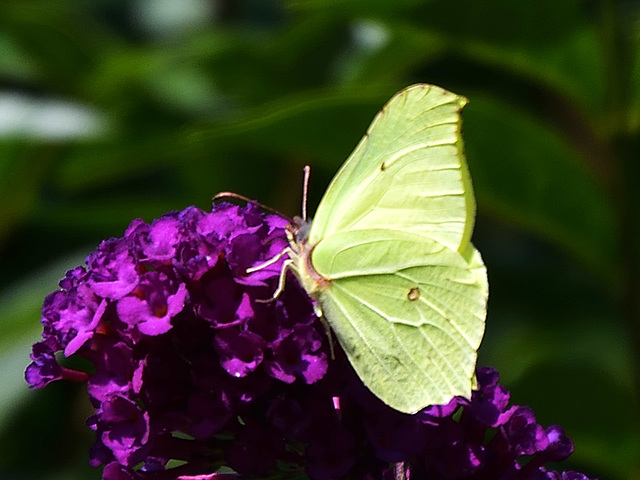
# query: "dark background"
[[112, 110]]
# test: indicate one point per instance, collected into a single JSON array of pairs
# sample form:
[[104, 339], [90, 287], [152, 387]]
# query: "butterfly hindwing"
[[411, 321]]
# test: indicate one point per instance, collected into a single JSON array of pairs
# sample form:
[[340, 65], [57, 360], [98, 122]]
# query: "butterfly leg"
[[285, 251], [286, 265], [327, 330]]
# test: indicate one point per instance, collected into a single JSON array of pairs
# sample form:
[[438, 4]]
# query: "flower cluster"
[[199, 374]]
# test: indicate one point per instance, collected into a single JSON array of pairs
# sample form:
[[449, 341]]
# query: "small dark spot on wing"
[[383, 167], [414, 294]]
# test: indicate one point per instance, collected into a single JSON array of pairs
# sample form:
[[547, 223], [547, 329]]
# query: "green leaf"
[[524, 173], [301, 124], [14, 61], [22, 170]]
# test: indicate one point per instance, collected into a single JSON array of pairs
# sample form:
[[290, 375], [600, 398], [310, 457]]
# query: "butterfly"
[[388, 257]]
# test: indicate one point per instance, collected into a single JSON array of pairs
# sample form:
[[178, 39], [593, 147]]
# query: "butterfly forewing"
[[407, 173]]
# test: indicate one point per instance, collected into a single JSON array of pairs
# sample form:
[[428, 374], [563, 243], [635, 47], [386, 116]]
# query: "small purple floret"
[[152, 304], [45, 368], [112, 269]]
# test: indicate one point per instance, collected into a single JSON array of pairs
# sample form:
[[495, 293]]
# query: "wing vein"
[[446, 306], [359, 332], [406, 151], [411, 356]]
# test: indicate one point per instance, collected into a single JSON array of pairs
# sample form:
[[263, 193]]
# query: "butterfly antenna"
[[305, 189], [237, 196]]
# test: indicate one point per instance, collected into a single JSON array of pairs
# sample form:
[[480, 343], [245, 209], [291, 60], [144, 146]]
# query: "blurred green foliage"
[[113, 109]]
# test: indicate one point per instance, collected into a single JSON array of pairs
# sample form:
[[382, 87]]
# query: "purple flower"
[[123, 428], [112, 269], [115, 471], [523, 434], [240, 352], [288, 416], [570, 476], [115, 369], [394, 436], [299, 355], [155, 242], [207, 413], [194, 364], [489, 403], [152, 304], [72, 315], [255, 450], [560, 446], [331, 456], [219, 297], [45, 368]]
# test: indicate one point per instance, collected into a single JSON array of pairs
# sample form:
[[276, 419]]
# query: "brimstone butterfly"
[[388, 257]]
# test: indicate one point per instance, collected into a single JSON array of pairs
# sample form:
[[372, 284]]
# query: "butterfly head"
[[298, 231]]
